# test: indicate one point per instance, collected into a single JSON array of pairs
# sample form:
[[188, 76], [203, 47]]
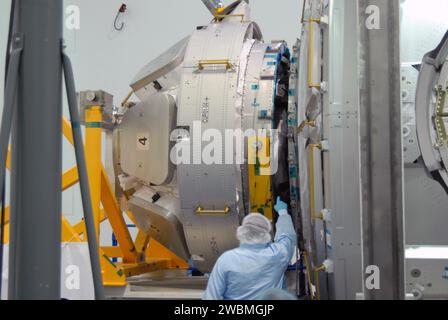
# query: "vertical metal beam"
[[35, 257], [341, 162], [381, 146]]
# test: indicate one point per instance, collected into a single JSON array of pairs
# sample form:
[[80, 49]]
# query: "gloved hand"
[[281, 207]]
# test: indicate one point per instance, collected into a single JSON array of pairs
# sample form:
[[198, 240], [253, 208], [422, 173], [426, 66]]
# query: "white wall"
[[106, 59]]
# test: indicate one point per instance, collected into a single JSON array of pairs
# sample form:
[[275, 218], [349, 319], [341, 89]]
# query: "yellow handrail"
[[226, 62], [223, 16], [311, 83], [125, 101], [311, 170], [316, 280], [202, 211], [308, 273]]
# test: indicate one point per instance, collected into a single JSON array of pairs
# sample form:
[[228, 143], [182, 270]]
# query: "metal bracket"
[[324, 20], [325, 145], [326, 215], [89, 99]]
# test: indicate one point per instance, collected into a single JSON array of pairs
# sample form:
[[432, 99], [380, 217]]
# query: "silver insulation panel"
[[209, 97]]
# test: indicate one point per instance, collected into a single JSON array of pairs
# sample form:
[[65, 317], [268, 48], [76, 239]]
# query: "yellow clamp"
[[311, 83]]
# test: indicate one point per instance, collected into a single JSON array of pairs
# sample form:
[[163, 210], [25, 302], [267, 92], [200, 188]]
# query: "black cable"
[[8, 44], [3, 195]]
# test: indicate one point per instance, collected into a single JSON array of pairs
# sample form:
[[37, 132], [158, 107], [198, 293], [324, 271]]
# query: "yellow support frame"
[[93, 146], [142, 256]]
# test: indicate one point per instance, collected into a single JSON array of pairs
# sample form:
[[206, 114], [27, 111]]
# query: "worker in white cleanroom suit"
[[258, 264]]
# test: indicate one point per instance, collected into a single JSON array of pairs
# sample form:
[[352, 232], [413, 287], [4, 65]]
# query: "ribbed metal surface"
[[214, 186]]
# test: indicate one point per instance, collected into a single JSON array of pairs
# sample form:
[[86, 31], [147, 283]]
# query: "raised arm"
[[285, 236]]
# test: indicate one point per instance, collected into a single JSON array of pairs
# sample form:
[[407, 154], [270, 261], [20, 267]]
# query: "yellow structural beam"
[[113, 252], [156, 250], [8, 159], [6, 226], [70, 178], [150, 265], [67, 130], [93, 146], [146, 255], [80, 227], [116, 220], [105, 193], [68, 232], [142, 241]]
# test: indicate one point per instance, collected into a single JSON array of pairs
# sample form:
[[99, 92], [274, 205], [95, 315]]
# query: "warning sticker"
[[143, 141]]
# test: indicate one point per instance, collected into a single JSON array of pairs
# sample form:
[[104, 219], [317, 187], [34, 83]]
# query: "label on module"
[[143, 141]]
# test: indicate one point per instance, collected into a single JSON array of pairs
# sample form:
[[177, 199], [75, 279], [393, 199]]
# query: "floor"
[[170, 285]]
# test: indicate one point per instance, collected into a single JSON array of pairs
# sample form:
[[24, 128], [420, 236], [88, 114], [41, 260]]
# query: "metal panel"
[[208, 97], [309, 99], [426, 203], [145, 140], [381, 148], [341, 162], [427, 272], [411, 148], [160, 223], [160, 71]]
